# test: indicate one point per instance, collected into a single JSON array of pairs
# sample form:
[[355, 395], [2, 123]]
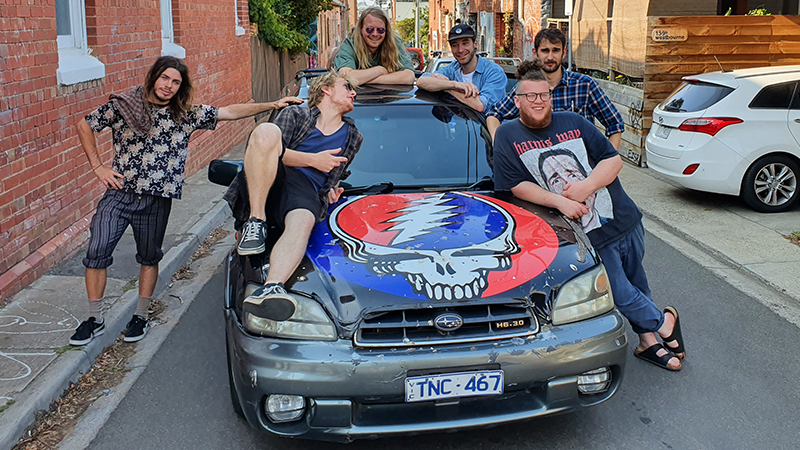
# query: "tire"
[[770, 184], [237, 407]]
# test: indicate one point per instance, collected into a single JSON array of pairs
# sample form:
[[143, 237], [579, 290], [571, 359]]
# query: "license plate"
[[663, 132], [454, 385]]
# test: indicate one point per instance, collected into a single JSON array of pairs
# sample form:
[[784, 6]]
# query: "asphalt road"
[[737, 389]]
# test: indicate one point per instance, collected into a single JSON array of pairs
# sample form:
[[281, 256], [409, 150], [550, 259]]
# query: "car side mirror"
[[223, 172]]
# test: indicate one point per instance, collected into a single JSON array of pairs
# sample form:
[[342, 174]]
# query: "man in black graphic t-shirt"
[[560, 160]]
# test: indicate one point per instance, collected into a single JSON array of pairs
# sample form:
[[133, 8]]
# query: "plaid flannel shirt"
[[575, 92], [296, 124]]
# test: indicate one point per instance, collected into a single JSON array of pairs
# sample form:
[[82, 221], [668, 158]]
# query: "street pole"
[[568, 13], [416, 24]]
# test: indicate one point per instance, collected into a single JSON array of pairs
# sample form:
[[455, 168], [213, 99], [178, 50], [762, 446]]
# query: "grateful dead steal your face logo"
[[440, 247]]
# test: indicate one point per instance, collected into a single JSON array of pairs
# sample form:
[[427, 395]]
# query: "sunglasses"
[[369, 30], [349, 86]]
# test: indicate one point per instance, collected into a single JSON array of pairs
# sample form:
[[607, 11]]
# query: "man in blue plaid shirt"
[[572, 91]]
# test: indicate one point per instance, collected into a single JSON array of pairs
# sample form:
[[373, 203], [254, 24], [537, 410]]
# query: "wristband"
[[95, 167]]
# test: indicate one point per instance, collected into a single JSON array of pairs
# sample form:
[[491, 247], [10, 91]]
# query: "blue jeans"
[[623, 261]]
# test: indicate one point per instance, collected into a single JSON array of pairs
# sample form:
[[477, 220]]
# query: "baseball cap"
[[461, 31]]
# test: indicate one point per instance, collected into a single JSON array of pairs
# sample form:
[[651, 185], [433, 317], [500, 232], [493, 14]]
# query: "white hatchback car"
[[734, 132]]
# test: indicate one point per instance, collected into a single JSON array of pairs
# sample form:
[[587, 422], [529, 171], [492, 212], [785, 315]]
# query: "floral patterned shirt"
[[153, 163]]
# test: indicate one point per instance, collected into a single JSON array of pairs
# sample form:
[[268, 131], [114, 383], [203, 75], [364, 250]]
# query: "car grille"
[[416, 327]]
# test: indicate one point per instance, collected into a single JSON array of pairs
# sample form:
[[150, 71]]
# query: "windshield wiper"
[[377, 188], [484, 184]]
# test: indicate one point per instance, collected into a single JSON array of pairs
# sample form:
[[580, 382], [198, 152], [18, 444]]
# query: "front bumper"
[[355, 393]]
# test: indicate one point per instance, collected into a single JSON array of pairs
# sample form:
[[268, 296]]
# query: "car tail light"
[[690, 169], [708, 125]]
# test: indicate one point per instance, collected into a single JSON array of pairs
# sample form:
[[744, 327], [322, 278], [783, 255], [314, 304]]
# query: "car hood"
[[377, 253]]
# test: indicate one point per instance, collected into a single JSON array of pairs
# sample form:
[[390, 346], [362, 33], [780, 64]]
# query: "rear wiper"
[[377, 188], [671, 108]]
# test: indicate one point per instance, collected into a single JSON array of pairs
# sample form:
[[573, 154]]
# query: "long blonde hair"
[[388, 51]]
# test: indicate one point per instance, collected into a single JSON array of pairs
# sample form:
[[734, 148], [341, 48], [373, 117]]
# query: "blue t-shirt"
[[566, 150], [316, 143]]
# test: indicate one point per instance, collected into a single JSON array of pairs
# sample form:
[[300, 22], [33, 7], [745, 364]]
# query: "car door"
[[793, 120]]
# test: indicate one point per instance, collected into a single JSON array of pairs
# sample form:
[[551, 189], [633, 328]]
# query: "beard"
[[551, 69], [531, 122]]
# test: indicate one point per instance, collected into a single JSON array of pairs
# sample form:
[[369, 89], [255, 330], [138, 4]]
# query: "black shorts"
[[292, 190]]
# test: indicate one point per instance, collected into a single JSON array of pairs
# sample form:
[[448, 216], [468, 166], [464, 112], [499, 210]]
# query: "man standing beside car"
[[474, 81], [572, 91], [292, 170], [589, 170], [151, 127]]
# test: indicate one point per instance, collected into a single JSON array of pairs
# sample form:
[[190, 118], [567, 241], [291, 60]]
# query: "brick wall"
[[48, 192]]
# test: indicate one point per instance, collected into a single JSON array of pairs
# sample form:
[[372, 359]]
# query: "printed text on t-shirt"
[[524, 146]]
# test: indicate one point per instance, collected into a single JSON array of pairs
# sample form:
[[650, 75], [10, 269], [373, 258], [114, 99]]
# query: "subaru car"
[[734, 132], [426, 302]]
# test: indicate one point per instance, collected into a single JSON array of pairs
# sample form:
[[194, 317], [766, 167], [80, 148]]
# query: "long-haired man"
[[151, 126], [374, 53]]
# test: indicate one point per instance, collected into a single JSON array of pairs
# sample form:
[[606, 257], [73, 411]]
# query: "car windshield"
[[418, 146], [694, 96]]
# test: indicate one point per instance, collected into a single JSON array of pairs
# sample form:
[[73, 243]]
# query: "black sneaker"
[[87, 330], [254, 234], [271, 302], [136, 329]]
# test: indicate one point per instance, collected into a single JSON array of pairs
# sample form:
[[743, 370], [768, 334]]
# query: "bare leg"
[[95, 283], [291, 246], [148, 276], [261, 165]]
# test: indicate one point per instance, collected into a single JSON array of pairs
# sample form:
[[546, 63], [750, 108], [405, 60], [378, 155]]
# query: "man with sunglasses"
[[572, 91], [292, 170], [472, 80], [560, 160]]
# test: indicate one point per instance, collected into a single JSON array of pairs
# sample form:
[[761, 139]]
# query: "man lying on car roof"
[[291, 174], [474, 81]]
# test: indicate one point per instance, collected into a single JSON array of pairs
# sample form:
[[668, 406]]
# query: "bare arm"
[[435, 83], [405, 76], [473, 102], [242, 110], [602, 175], [106, 175], [365, 75], [492, 123], [533, 193], [616, 140], [323, 161]]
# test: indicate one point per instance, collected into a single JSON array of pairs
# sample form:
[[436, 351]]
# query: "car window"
[[776, 96], [413, 145], [694, 96]]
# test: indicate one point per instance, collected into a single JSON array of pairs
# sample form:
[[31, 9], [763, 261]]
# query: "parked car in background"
[[426, 302], [417, 57], [733, 132]]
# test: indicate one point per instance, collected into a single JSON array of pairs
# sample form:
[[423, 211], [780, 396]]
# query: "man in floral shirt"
[[151, 127]]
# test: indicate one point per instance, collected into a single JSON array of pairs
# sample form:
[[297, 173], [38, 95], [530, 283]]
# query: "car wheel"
[[770, 184], [237, 407]]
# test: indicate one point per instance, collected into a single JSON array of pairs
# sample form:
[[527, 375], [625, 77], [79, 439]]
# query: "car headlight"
[[309, 322], [586, 296]]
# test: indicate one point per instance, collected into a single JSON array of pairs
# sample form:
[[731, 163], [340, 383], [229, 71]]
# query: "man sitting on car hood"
[[291, 174]]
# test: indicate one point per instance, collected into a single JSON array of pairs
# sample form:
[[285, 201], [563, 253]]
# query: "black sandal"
[[650, 354], [676, 336]]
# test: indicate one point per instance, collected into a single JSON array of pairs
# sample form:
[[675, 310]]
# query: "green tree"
[[284, 24], [405, 28]]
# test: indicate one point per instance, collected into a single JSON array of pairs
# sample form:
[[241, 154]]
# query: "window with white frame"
[[75, 64], [240, 31], [168, 45]]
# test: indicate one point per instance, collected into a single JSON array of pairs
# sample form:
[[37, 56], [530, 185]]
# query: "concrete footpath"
[[37, 364]]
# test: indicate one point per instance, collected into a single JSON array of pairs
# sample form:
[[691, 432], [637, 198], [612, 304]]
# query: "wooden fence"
[[737, 42], [271, 70]]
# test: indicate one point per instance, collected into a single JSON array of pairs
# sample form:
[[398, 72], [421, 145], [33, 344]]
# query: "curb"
[[69, 367], [716, 254]]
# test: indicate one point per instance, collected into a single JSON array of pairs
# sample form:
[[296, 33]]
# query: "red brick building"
[[59, 60]]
